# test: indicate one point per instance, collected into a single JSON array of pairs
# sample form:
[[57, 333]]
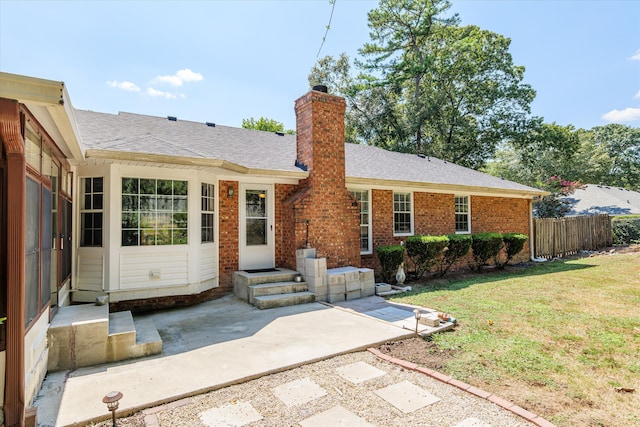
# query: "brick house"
[[161, 211]]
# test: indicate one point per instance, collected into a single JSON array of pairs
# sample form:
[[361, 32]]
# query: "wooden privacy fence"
[[559, 237]]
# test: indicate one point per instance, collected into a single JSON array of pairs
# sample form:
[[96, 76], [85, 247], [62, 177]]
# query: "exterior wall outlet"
[[154, 274]]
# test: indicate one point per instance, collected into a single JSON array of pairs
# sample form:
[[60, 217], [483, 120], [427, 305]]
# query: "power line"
[[333, 6]]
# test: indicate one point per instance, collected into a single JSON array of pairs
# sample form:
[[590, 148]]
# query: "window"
[[208, 212], [91, 211], [402, 217], [362, 196], [154, 212], [463, 220]]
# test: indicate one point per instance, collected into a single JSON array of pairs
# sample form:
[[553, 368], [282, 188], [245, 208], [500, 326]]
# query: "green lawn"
[[556, 338]]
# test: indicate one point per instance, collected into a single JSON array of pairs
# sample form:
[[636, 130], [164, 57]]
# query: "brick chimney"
[[322, 199]]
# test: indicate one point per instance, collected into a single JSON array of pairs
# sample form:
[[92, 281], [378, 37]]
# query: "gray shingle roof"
[[135, 133], [597, 199]]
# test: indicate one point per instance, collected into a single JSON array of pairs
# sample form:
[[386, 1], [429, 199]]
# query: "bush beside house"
[[626, 229]]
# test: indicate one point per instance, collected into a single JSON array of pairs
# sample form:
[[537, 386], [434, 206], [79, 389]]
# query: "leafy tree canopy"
[[426, 85], [265, 124]]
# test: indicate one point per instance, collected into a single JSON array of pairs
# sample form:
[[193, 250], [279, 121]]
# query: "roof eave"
[[447, 188], [50, 103], [190, 161]]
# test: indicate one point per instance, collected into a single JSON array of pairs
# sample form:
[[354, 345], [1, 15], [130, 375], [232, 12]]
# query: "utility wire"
[[333, 6]]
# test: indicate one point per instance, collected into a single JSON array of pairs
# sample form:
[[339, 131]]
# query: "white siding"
[[208, 262], [137, 268], [90, 271]]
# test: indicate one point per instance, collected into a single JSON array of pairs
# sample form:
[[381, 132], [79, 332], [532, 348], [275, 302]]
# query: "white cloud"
[[180, 77], [637, 95], [131, 87], [635, 56], [158, 93], [621, 116]]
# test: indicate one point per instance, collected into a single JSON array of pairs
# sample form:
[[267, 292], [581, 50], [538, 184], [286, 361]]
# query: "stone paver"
[[359, 372], [299, 392], [336, 416], [407, 397], [230, 415]]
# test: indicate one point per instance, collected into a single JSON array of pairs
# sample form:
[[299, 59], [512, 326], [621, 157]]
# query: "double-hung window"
[[463, 214], [91, 211], [154, 212], [362, 196], [402, 214], [207, 211]]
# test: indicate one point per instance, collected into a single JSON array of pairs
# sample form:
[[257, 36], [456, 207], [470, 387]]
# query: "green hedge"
[[626, 229], [425, 251], [513, 244], [458, 247], [390, 259], [485, 246]]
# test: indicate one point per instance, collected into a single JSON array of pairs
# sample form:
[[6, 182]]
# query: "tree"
[[428, 86], [554, 205], [265, 124]]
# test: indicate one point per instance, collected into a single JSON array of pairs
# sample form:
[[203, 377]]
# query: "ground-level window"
[[208, 212], [91, 211], [402, 214], [154, 212], [362, 196], [463, 219]]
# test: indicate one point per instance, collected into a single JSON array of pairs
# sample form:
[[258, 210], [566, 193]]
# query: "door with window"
[[257, 248]]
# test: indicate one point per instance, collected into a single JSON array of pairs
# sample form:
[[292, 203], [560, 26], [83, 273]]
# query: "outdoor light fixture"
[[112, 400], [230, 192], [417, 313]]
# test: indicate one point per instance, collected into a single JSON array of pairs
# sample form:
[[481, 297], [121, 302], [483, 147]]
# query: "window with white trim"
[[91, 211], [362, 196], [207, 212], [463, 217], [402, 214], [154, 212]]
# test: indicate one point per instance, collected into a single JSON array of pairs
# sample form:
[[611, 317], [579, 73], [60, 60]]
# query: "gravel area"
[[455, 406]]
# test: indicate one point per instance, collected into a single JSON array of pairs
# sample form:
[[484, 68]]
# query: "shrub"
[[390, 258], [458, 247], [513, 244], [485, 246], [626, 229], [425, 251]]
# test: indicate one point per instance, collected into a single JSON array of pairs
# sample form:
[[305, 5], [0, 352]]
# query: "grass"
[[556, 338]]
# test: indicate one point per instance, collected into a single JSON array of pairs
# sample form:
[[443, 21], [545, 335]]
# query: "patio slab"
[[336, 416], [359, 372], [299, 392], [407, 397]]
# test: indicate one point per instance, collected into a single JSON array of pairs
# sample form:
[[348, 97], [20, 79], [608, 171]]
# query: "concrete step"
[[122, 336], [275, 289], [283, 300], [242, 280], [148, 339]]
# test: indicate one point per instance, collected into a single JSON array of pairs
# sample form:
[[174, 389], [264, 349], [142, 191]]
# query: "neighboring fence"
[[559, 237]]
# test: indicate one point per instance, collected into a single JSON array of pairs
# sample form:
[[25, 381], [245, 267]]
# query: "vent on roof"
[[211, 125], [172, 118], [280, 133], [422, 156], [301, 165], [320, 88]]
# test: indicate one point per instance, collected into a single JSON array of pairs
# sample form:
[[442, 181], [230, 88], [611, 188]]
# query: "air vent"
[[172, 118], [280, 133], [422, 156], [211, 125], [320, 88]]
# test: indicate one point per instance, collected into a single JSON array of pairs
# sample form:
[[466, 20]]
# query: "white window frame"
[[208, 200], [467, 213], [366, 225], [410, 212], [84, 209]]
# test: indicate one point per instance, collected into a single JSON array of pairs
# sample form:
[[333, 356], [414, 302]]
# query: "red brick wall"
[[227, 235], [434, 213], [285, 233]]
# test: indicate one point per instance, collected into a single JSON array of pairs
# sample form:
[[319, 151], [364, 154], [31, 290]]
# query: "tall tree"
[[265, 124], [429, 86]]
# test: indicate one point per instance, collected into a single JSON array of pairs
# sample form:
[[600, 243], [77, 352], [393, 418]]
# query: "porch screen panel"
[[32, 252], [256, 217], [45, 282], [65, 238]]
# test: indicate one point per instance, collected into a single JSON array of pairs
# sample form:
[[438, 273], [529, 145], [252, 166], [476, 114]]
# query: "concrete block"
[[306, 253], [368, 292], [352, 276], [315, 267], [335, 278], [337, 288], [353, 295], [366, 274], [314, 282], [353, 285], [336, 297], [382, 287], [322, 292]]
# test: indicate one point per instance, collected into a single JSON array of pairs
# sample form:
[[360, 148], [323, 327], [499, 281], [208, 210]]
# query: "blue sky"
[[222, 61]]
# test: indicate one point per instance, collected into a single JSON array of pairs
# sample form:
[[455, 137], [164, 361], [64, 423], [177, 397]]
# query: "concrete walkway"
[[207, 347]]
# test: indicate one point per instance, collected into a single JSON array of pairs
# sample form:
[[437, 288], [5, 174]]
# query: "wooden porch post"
[[14, 404]]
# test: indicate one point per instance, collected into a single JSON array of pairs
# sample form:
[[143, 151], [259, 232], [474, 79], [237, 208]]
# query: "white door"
[[257, 248]]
